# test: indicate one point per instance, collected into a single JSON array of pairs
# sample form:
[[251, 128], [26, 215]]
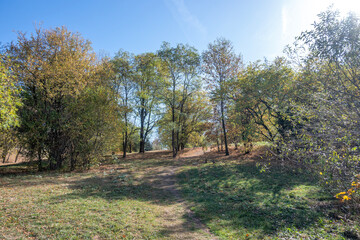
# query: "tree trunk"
[[125, 145], [142, 123], [17, 155], [72, 159], [142, 146], [130, 147], [8, 158], [39, 161], [224, 129], [4, 154], [173, 138], [182, 146]]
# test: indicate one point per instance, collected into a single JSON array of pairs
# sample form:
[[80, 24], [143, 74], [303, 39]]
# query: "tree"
[[196, 112], [55, 69], [147, 84], [124, 86], [182, 66], [262, 97], [221, 65]]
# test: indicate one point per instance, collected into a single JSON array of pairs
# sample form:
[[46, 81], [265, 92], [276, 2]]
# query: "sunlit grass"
[[77, 206], [237, 201]]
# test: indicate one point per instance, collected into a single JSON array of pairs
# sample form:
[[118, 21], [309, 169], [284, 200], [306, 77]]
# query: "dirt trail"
[[178, 219]]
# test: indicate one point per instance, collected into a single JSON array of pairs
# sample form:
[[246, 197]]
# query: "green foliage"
[[9, 100], [181, 65], [195, 114], [123, 83], [262, 96], [65, 97], [221, 66], [149, 74], [326, 101]]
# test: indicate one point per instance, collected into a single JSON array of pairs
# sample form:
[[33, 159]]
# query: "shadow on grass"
[[116, 187], [239, 196]]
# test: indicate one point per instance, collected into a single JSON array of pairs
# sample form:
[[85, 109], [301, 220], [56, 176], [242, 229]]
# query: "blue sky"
[[257, 28]]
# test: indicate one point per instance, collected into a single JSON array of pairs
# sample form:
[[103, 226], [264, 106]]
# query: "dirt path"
[[178, 220]]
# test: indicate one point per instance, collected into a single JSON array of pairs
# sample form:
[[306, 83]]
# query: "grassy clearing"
[[236, 201], [126, 200]]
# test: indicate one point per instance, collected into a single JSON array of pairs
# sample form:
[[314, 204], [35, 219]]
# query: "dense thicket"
[[66, 105]]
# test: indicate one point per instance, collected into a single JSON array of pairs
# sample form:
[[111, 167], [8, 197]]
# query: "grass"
[[107, 203], [122, 201], [76, 206], [237, 201]]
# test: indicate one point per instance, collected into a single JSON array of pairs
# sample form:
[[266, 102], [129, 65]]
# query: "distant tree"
[[221, 65]]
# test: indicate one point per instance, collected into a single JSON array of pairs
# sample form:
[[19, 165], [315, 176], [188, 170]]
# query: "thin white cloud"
[[184, 17]]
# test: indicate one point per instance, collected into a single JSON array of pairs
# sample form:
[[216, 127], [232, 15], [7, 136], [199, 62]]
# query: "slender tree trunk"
[[130, 147], [39, 160], [17, 155], [125, 140], [8, 158], [142, 123], [72, 159], [173, 137], [4, 154], [224, 129], [142, 146], [218, 145], [125, 144]]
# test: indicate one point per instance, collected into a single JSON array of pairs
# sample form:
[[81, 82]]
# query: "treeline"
[[61, 102]]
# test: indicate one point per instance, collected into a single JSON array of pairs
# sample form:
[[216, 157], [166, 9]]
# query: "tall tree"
[[147, 85], [124, 87], [182, 66], [221, 65]]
